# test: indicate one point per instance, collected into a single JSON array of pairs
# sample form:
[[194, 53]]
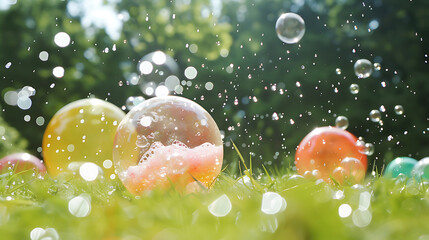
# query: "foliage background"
[[245, 29]]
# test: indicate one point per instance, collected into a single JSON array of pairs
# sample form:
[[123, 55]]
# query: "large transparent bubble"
[[290, 28], [155, 69], [363, 68], [164, 141]]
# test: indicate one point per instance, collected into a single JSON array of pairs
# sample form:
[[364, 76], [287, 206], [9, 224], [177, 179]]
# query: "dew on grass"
[[342, 122], [80, 206], [133, 101], [44, 234], [344, 210], [364, 201], [354, 88], [338, 71], [399, 110], [363, 68], [375, 115], [221, 206], [89, 171], [245, 180], [290, 28], [361, 218], [272, 203], [62, 39]]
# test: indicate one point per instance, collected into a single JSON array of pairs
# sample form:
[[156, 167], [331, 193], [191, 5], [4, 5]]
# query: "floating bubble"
[[44, 56], [368, 149], [363, 68], [421, 170], [80, 206], [81, 131], [375, 115], [221, 206], [24, 103], [324, 148], [342, 122], [377, 66], [62, 39], [161, 91], [272, 203], [8, 65], [400, 165], [155, 68], [290, 28], [21, 162], [209, 86], [354, 88], [164, 140], [58, 72], [190, 73], [133, 101], [338, 71], [399, 110]]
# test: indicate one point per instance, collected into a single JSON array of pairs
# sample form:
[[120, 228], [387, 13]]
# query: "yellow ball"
[[81, 131]]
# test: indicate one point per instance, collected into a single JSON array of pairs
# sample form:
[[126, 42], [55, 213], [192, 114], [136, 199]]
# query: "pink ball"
[[19, 162]]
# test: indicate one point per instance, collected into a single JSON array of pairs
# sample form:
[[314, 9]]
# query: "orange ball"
[[325, 148]]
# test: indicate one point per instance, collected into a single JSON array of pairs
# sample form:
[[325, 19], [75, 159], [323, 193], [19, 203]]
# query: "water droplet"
[[44, 56], [221, 206], [354, 88], [58, 72], [290, 28], [62, 39], [133, 101], [190, 73], [377, 66], [272, 203], [338, 71], [399, 110], [363, 68], [375, 115], [80, 206], [342, 122], [368, 149]]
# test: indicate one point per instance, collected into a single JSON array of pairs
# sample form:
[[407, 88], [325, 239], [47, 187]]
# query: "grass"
[[398, 209]]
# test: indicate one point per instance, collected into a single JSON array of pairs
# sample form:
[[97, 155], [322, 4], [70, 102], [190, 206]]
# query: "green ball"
[[400, 165]]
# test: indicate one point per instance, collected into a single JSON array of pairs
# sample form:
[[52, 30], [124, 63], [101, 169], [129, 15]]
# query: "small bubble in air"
[[354, 88], [399, 110], [338, 71], [62, 39], [363, 68], [290, 28], [133, 101], [342, 122], [377, 66], [375, 115]]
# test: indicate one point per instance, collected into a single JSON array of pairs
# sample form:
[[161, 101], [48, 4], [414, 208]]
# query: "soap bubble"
[[368, 149], [338, 71], [164, 140], [290, 28], [354, 88], [133, 101], [350, 169], [81, 131], [155, 68], [377, 66], [342, 122], [400, 167], [399, 110], [421, 170], [375, 115], [363, 68]]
